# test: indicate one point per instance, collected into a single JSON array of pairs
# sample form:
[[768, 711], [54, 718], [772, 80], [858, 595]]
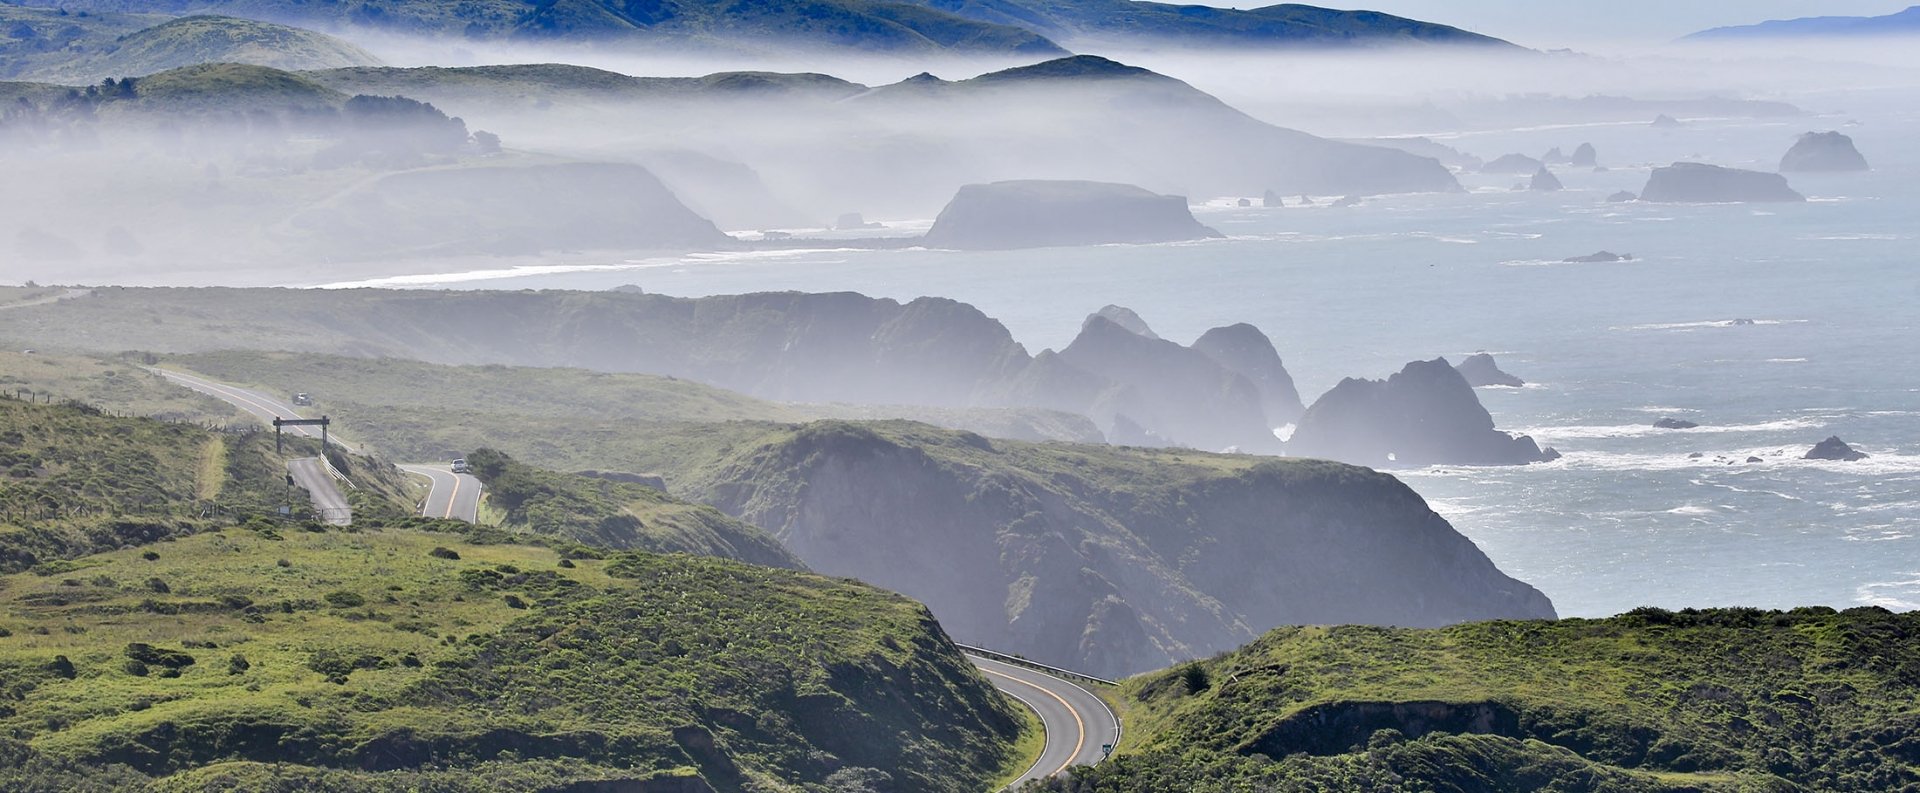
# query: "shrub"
[[444, 553], [345, 600], [514, 601], [158, 585], [238, 664], [149, 556]]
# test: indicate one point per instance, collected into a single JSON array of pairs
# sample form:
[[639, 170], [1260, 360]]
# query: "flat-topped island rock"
[[1699, 183], [1046, 213]]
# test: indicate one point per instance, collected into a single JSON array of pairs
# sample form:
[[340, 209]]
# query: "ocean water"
[[1627, 518]]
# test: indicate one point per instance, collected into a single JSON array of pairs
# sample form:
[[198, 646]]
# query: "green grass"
[[377, 660], [1735, 699], [118, 384], [607, 514]]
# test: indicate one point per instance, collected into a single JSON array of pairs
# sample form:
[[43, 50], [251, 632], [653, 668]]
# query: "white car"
[[460, 466]]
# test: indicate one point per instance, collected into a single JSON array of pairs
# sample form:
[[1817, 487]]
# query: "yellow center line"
[[1078, 724], [451, 499]]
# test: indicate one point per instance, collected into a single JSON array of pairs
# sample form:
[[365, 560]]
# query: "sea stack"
[[1545, 182], [1585, 156], [1481, 371], [1823, 152], [1039, 214], [1835, 449], [1698, 183], [1427, 414]]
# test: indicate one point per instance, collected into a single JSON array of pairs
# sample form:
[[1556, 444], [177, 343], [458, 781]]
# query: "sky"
[[1547, 24]]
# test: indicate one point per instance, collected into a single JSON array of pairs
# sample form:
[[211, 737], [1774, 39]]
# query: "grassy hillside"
[[403, 660], [45, 44], [74, 481], [1733, 699], [118, 384], [602, 513]]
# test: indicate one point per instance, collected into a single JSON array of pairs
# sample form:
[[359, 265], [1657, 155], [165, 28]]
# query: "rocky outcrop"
[[1516, 164], [1835, 449], [1664, 121], [1272, 200], [1111, 561], [1427, 414], [1585, 157], [1545, 182], [1670, 423], [1038, 214], [1698, 183], [1602, 257], [1622, 197], [1817, 152], [1126, 318], [1244, 349], [1179, 393], [1480, 371]]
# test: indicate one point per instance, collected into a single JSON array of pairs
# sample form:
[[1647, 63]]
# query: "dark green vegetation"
[[603, 513], [54, 46], [1718, 700], [871, 25], [371, 662]]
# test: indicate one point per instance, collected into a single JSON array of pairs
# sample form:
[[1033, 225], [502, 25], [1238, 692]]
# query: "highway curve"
[[455, 496], [1079, 725]]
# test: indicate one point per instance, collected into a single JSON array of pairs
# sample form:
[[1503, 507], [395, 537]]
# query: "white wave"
[[1664, 409], [1786, 360], [1878, 466], [1544, 434], [1709, 323], [1855, 237], [1894, 595], [1693, 509]]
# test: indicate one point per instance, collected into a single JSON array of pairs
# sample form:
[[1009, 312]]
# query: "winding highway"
[[455, 496], [1080, 728], [451, 496]]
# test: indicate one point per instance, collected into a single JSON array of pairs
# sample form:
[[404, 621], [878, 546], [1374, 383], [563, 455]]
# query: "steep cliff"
[[1427, 414], [1108, 560], [1244, 349]]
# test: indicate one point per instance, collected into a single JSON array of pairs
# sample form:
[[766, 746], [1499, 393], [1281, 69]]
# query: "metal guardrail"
[[1036, 665]]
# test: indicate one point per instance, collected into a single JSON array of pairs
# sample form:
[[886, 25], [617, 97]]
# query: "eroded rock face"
[[1823, 152], [1835, 449], [1040, 213], [1181, 394], [1480, 371], [1698, 183], [1427, 414], [1244, 349]]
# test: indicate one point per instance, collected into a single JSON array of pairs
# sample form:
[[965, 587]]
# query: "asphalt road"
[[453, 495], [328, 502], [1079, 725], [310, 472]]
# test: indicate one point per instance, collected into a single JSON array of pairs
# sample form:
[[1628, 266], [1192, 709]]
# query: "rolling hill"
[[1904, 23], [1290, 25], [46, 45]]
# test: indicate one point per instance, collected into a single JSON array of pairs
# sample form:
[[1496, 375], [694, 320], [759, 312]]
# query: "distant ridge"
[[1289, 24], [866, 25], [1904, 23]]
